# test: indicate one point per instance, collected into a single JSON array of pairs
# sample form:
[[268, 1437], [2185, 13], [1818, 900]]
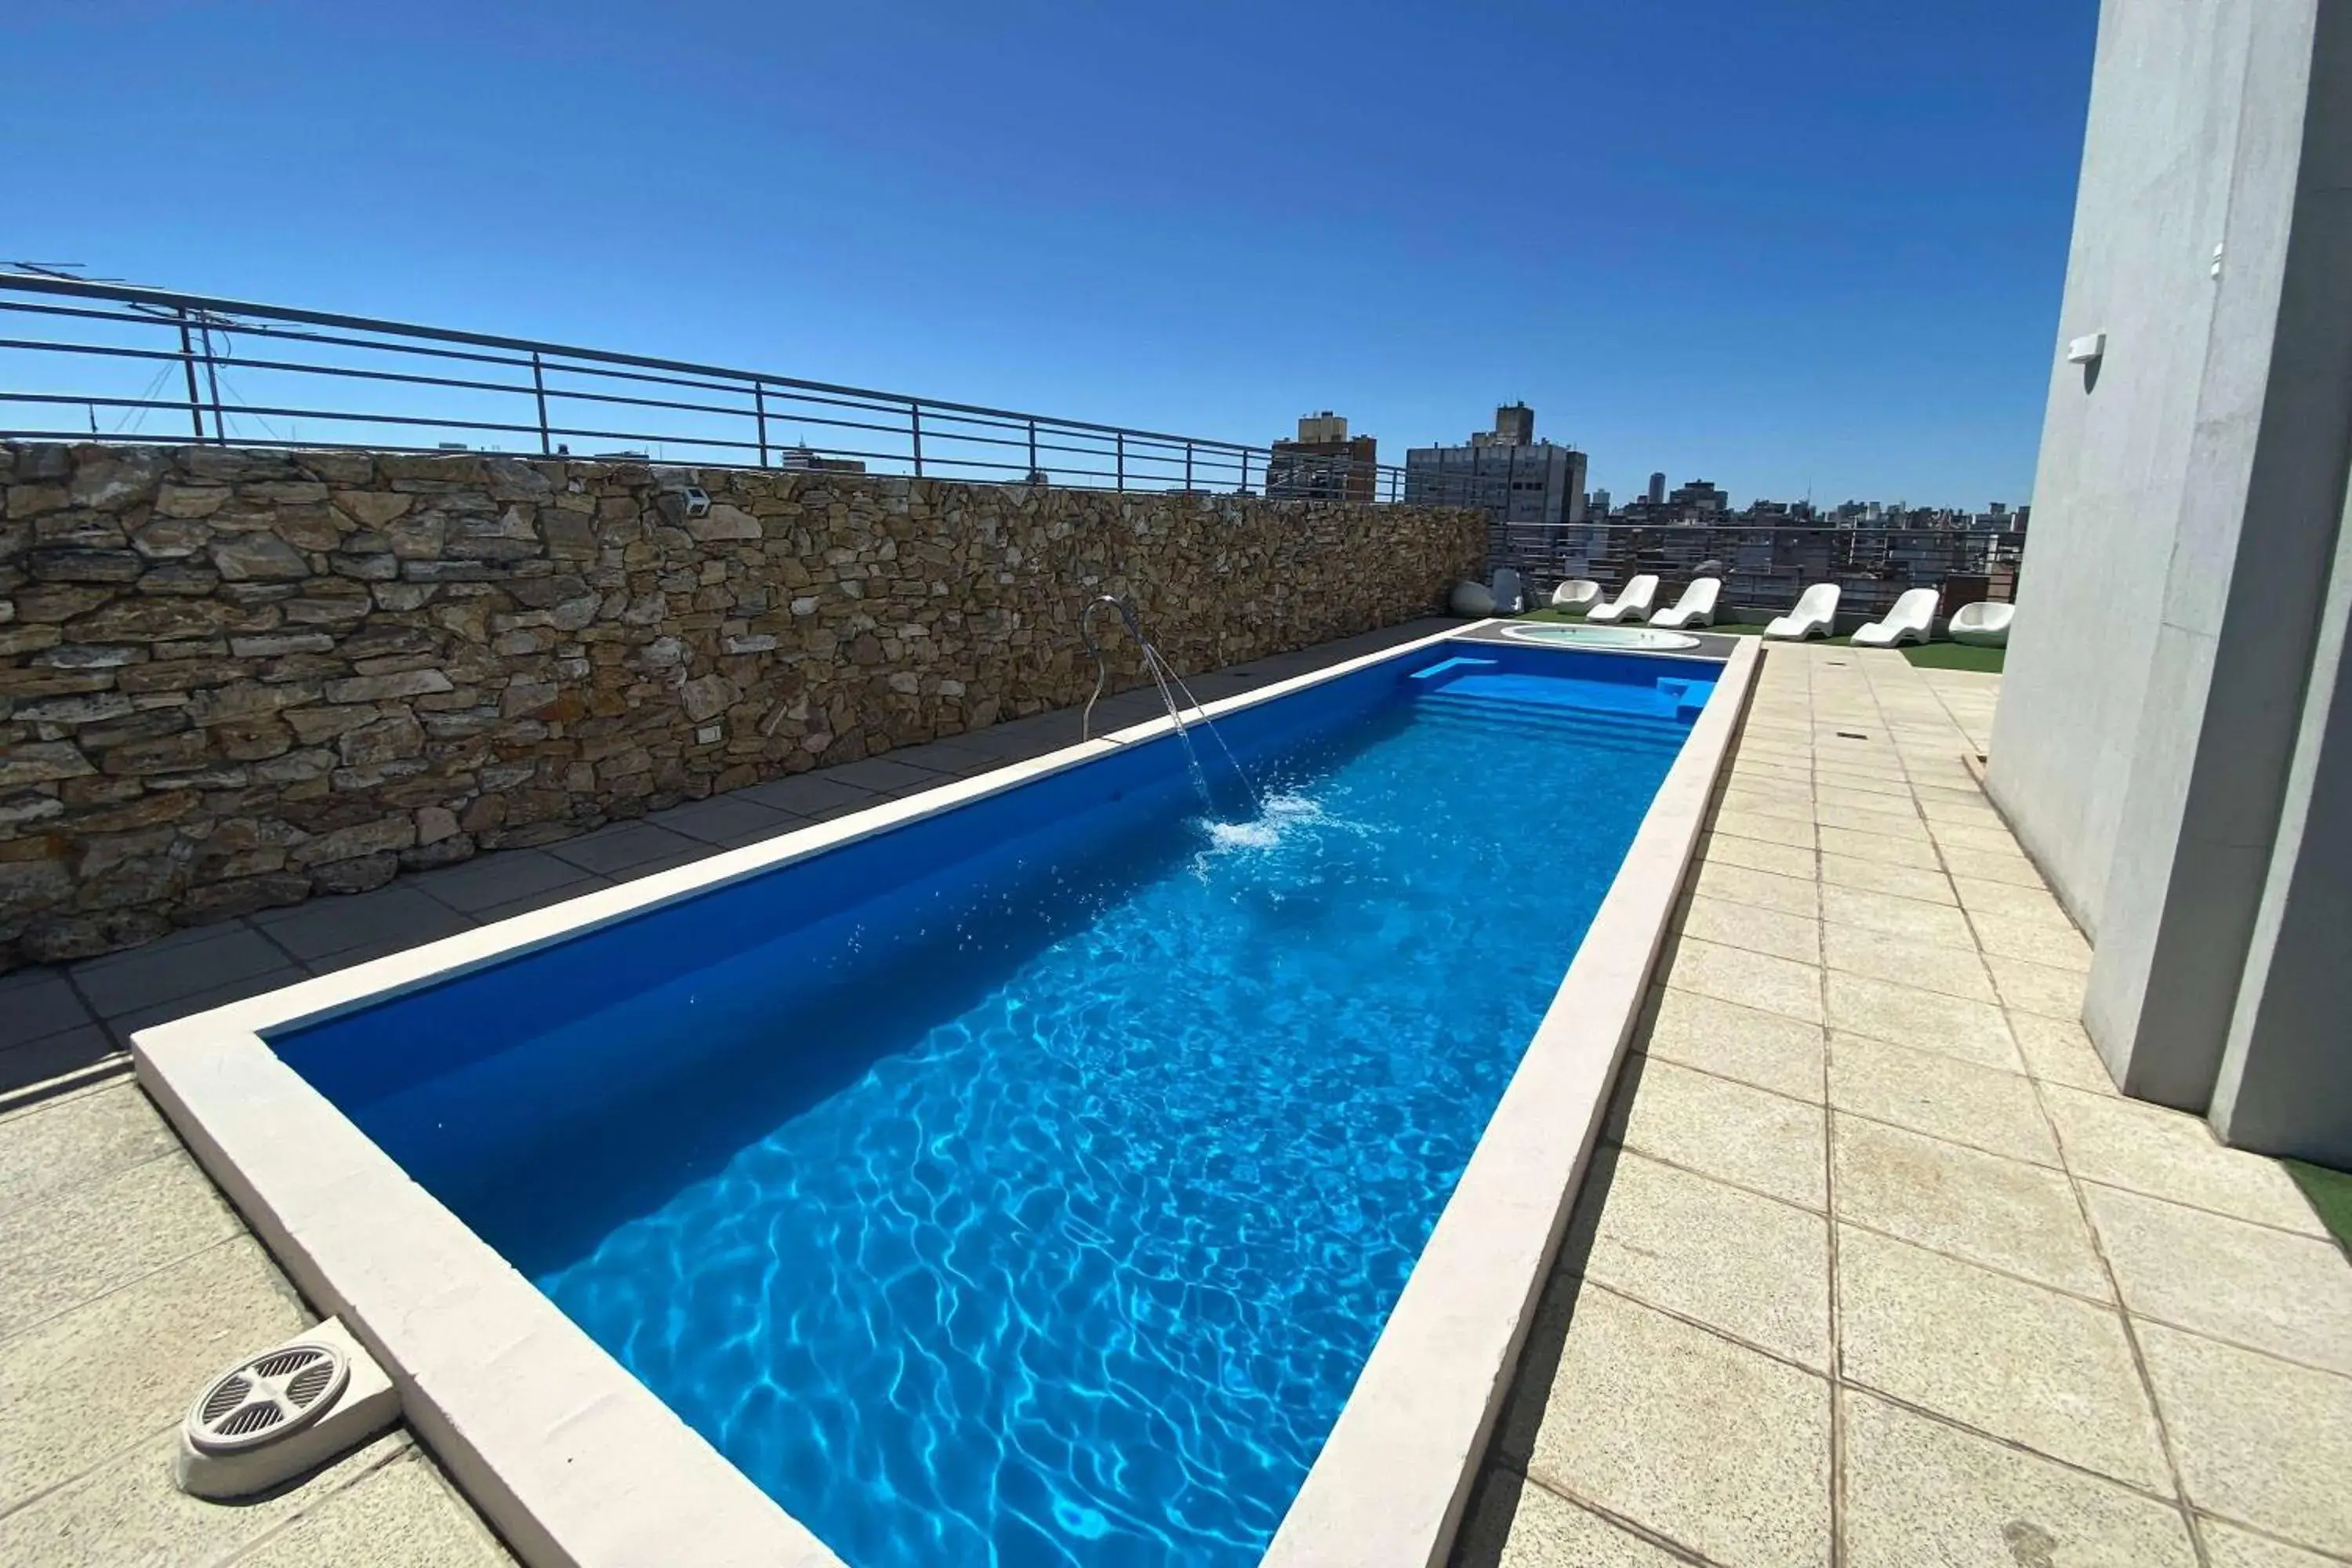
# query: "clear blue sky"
[[1777, 242]]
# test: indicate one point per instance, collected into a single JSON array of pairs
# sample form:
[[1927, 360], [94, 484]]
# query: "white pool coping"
[[576, 1462]]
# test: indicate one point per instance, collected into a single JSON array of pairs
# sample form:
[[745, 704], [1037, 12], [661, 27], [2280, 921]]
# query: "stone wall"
[[232, 678]]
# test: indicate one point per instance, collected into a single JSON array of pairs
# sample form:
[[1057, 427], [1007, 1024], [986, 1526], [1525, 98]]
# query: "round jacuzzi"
[[1572, 635]]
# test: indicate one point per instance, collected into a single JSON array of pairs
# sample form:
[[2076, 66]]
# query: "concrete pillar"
[[2159, 811]]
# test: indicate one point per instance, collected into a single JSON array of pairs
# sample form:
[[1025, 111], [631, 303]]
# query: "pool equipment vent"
[[289, 1409]]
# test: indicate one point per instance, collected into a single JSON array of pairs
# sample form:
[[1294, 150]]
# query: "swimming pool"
[[1032, 1177]]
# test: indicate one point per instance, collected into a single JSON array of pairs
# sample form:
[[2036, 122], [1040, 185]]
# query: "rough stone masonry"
[[232, 678]]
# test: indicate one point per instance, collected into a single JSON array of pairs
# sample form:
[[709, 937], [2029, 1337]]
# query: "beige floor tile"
[[2165, 1154], [2011, 1359], [86, 1138], [1917, 853], [1780, 860], [1879, 876], [2038, 987], [1747, 1266], [1920, 1493], [2289, 1295], [1984, 840], [2021, 1219], [2010, 937], [2227, 1546], [1940, 1096], [1991, 865], [1913, 919], [1751, 979], [127, 1511], [404, 1514], [2259, 1439], [1797, 805], [99, 1236], [1794, 831], [1979, 895], [1891, 786], [1745, 768], [1951, 809], [1767, 1049], [2056, 1051], [1869, 800], [1923, 1020], [1796, 938], [1886, 823], [1711, 1125], [1513, 1522], [1759, 889], [1686, 1434], [84, 1385], [1929, 966]]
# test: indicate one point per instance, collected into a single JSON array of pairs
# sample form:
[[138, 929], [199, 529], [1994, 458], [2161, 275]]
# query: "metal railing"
[[82, 360], [1765, 566]]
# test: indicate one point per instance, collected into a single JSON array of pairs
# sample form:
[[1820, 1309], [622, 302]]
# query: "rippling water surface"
[[1049, 1220]]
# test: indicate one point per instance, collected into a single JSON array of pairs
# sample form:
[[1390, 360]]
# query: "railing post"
[[1187, 467], [1033, 451], [539, 390], [1245, 484], [212, 382], [188, 363], [1118, 444], [915, 424], [759, 411]]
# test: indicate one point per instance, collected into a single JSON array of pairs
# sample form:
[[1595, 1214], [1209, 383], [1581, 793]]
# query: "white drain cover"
[[272, 1396]]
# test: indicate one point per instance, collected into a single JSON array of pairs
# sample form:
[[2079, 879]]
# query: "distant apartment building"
[[1658, 488], [1530, 490], [1323, 463], [1697, 497], [1597, 505], [809, 460]]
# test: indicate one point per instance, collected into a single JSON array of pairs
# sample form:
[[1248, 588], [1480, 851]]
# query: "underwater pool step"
[[1615, 743], [1583, 724]]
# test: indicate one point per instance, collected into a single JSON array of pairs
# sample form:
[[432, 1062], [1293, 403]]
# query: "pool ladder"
[[1169, 684]]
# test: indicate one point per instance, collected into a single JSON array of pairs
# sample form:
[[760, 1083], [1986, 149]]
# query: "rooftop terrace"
[[1873, 1266]]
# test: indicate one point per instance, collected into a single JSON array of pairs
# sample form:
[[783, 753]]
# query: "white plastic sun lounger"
[[1912, 619], [1696, 607], [1813, 616], [1576, 596], [1983, 624], [1633, 604]]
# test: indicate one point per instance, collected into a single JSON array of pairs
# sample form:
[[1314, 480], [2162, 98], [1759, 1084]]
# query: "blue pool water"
[[1028, 1185]]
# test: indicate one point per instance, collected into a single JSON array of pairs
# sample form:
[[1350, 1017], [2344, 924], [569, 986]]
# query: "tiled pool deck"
[[1878, 1270], [1847, 1284]]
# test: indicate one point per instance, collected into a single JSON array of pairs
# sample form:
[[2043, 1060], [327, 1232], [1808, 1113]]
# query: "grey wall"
[[2157, 162], [2186, 517]]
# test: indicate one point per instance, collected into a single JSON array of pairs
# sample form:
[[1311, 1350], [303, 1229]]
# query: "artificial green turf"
[[1956, 655], [2330, 1193], [1925, 656]]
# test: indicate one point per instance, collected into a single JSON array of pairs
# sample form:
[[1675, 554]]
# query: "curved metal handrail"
[[1102, 662]]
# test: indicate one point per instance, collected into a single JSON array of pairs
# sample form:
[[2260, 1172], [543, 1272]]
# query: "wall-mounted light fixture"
[[2087, 351]]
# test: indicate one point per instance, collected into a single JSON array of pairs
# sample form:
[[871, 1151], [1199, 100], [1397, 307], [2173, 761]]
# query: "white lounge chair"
[[1576, 596], [1813, 616], [1984, 624], [1510, 597], [1696, 607], [1633, 604], [1913, 619]]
